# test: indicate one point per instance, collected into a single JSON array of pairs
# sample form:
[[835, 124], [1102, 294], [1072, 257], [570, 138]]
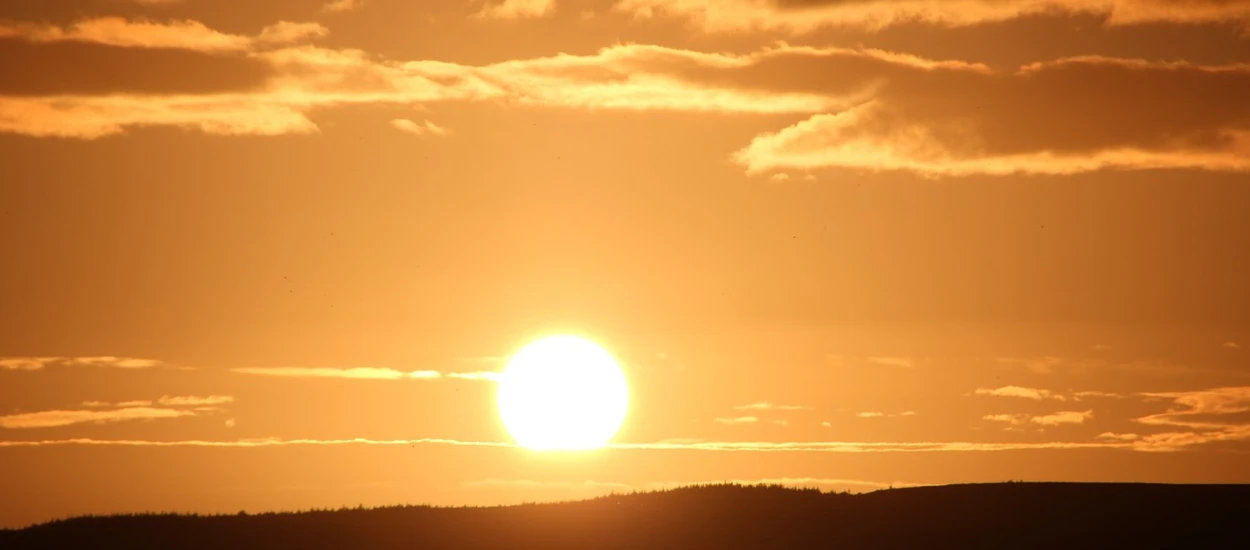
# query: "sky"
[[273, 254]]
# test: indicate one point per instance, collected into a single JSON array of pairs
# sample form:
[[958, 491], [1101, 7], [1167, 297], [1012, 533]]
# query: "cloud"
[[1118, 437], [958, 123], [1017, 391], [357, 373], [865, 109], [1202, 415], [304, 78], [905, 362], [826, 424], [25, 363], [737, 420], [426, 129], [115, 362], [517, 9], [194, 401], [1065, 417], [707, 446], [364, 373], [876, 414], [185, 35], [1054, 419], [56, 418], [166, 401], [1231, 345], [39, 363], [1078, 395], [1202, 404], [249, 443], [769, 406], [869, 447], [341, 6], [805, 16]]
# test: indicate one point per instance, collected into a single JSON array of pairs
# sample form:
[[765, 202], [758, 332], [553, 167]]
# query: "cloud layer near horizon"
[[805, 16], [363, 373], [859, 109]]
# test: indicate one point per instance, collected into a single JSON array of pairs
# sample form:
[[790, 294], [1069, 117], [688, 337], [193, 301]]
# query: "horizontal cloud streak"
[[186, 35], [864, 109], [362, 373], [57, 418], [709, 446], [249, 443], [39, 363], [805, 16], [1018, 391]]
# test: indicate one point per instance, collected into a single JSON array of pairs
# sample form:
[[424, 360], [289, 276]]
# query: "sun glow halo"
[[562, 393]]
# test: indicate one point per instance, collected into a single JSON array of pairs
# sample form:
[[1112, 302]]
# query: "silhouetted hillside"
[[1001, 516]]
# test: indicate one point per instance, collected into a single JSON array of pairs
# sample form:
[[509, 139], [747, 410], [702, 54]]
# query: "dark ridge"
[[723, 517]]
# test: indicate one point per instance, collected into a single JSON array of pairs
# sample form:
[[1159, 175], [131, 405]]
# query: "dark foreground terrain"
[[720, 517]]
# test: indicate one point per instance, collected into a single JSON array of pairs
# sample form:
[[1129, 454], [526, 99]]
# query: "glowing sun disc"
[[562, 393]]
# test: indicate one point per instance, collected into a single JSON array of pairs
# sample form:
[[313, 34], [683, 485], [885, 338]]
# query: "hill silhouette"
[[723, 517]]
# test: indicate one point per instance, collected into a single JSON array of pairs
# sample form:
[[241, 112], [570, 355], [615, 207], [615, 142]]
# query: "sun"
[[562, 393]]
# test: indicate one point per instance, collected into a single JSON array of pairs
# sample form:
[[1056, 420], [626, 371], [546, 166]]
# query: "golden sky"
[[272, 254]]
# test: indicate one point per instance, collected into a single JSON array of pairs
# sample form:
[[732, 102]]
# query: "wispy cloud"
[[1203, 414], [1018, 391], [39, 363], [1231, 345], [707, 446], [25, 363], [869, 447], [805, 16], [1091, 393], [250, 443], [365, 373], [194, 401], [737, 420], [517, 9], [1064, 417], [1053, 419], [186, 34], [769, 406], [341, 6], [885, 111], [357, 373], [167, 401], [423, 129], [878, 414], [56, 418], [1118, 436]]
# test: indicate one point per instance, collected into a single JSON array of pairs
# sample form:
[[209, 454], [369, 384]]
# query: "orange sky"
[[266, 255]]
